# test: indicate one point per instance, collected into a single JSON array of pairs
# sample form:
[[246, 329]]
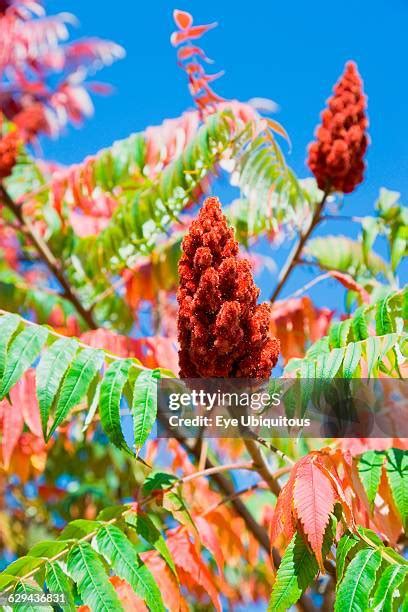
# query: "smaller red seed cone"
[[336, 157], [221, 330], [8, 151]]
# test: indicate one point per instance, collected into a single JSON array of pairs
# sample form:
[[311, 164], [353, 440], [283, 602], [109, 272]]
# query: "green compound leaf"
[[354, 591], [121, 555], [87, 570]]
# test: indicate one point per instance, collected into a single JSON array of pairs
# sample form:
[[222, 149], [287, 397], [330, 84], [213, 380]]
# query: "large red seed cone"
[[222, 331], [336, 158]]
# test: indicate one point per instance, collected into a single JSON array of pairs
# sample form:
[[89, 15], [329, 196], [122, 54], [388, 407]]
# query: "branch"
[[47, 257], [297, 248], [262, 467]]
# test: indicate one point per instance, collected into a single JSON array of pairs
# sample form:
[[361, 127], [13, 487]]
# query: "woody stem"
[[298, 248]]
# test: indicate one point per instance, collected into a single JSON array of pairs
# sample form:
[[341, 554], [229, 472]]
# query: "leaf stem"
[[297, 249]]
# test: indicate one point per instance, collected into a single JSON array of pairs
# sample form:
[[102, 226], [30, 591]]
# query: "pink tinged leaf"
[[23, 397], [189, 51], [191, 33], [349, 283], [13, 423], [210, 540], [190, 562], [182, 19], [314, 499]]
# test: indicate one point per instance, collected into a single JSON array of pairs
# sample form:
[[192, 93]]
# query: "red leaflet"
[[210, 540], [192, 570], [349, 283], [192, 33], [187, 32], [298, 322], [13, 423], [189, 51], [314, 499], [182, 19], [23, 398]]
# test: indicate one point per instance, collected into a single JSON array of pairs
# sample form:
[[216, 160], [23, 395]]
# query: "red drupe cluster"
[[8, 153], [221, 330], [336, 158]]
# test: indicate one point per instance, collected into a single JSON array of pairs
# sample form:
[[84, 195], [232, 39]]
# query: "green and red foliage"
[[93, 504]]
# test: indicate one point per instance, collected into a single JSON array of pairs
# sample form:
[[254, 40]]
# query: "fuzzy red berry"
[[336, 158], [8, 153], [221, 329]]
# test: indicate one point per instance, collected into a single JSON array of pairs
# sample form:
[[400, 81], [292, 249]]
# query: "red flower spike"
[[336, 158], [221, 329]]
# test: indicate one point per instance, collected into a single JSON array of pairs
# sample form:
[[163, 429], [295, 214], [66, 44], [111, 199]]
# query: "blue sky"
[[291, 52]]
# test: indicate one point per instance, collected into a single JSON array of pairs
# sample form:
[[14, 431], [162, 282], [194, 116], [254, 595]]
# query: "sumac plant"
[[124, 269]]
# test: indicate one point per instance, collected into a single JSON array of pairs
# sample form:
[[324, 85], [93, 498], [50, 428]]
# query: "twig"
[[261, 466], [297, 248], [310, 284], [47, 257]]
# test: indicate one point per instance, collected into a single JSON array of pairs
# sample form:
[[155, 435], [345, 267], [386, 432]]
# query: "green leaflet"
[[121, 555], [388, 583], [6, 579], [8, 326], [370, 467], [344, 254], [383, 321], [399, 246], [338, 333], [112, 386], [346, 544], [58, 582], [78, 529], [47, 548], [297, 570], [23, 565], [359, 324], [50, 371], [22, 352], [147, 529], [354, 590], [144, 405], [352, 358], [397, 473], [329, 364], [76, 382], [87, 570], [373, 349]]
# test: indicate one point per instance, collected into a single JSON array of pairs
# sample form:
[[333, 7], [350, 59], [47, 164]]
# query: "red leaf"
[[191, 33], [187, 52], [166, 581], [127, 596], [191, 567], [182, 19], [13, 423], [23, 398], [349, 283], [209, 538], [314, 499]]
